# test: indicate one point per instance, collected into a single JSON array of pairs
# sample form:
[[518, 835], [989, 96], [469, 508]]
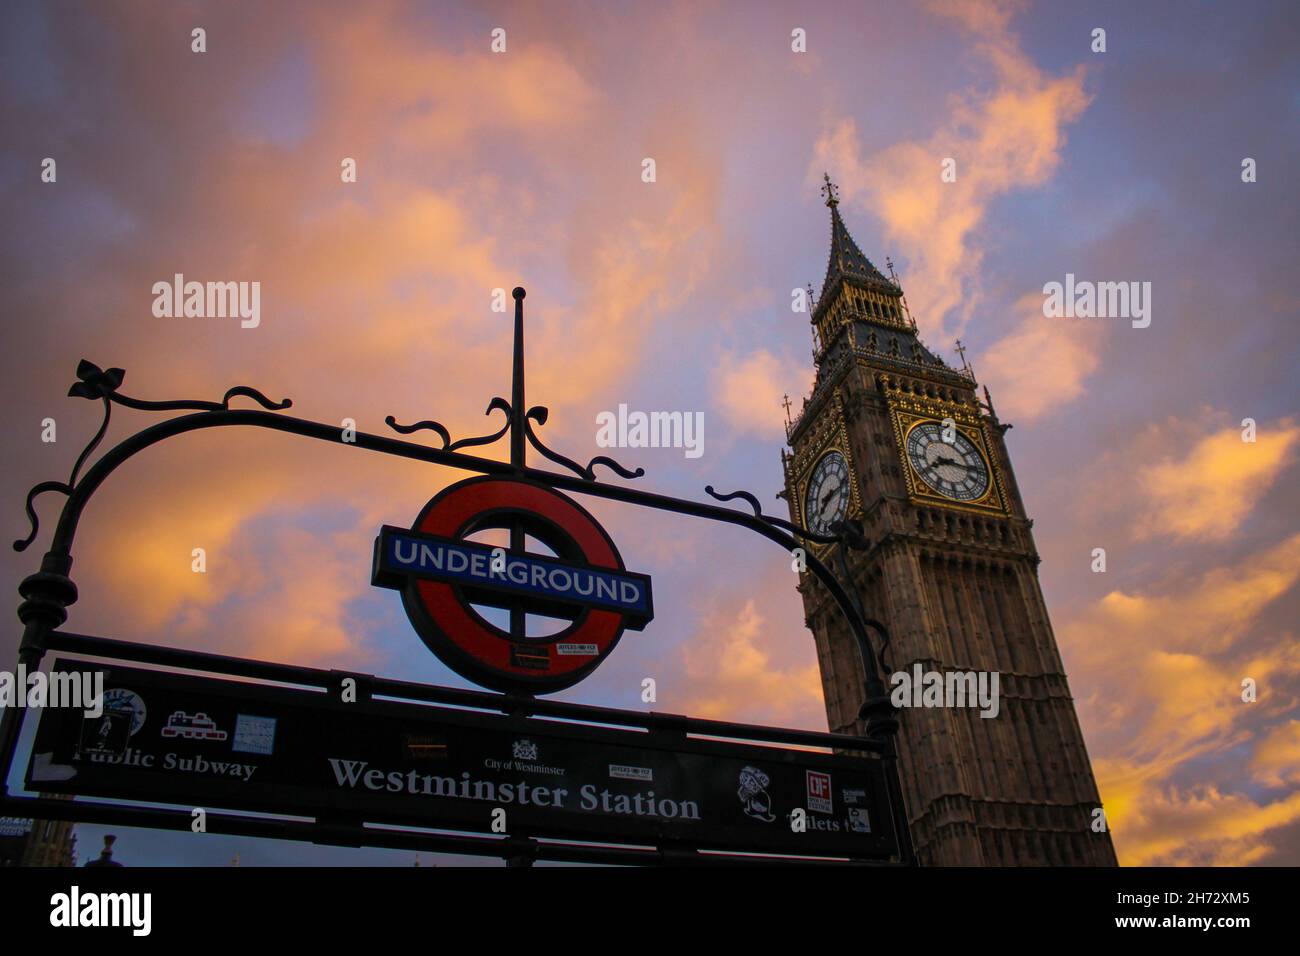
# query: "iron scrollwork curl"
[[795, 529], [539, 414], [94, 383], [497, 403]]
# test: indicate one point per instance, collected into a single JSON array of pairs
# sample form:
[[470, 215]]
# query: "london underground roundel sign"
[[444, 576]]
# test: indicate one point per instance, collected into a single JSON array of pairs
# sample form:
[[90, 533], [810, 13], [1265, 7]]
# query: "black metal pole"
[[518, 458], [517, 409]]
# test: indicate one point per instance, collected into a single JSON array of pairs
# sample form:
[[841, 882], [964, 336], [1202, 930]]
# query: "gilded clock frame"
[[823, 439], [906, 413]]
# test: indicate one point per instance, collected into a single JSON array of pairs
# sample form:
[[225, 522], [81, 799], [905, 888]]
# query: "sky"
[[479, 170]]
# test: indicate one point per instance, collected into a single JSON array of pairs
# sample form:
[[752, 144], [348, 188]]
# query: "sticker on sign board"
[[118, 698], [754, 798], [819, 792], [577, 650], [254, 735], [45, 770], [193, 727], [623, 772], [530, 658]]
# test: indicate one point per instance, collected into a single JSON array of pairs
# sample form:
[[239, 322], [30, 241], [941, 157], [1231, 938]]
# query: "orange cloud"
[[1208, 492], [736, 668], [1165, 669], [387, 281], [1202, 826], [1276, 760], [374, 59], [1213, 614], [1004, 135], [749, 390], [1064, 355]]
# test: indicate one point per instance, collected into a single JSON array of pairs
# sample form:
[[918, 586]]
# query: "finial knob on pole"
[[830, 191]]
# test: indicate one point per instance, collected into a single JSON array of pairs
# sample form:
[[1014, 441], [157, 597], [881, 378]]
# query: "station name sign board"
[[224, 744]]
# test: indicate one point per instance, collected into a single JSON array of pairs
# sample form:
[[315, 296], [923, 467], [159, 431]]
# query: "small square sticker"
[[819, 792], [254, 735], [106, 734]]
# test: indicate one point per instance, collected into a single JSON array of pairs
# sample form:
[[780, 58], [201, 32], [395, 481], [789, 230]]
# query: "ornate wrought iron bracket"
[[96, 383], [49, 592]]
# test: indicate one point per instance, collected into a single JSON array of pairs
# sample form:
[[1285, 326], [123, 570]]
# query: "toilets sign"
[[445, 577]]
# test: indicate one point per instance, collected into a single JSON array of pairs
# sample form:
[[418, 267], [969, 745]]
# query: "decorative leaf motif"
[[95, 382]]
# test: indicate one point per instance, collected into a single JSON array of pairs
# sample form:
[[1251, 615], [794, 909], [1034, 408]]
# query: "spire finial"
[[830, 191], [965, 365], [786, 403]]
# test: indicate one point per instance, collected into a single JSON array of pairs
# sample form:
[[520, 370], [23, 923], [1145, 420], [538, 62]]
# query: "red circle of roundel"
[[467, 643]]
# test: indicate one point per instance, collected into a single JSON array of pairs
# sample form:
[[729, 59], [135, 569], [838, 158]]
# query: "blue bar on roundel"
[[471, 563]]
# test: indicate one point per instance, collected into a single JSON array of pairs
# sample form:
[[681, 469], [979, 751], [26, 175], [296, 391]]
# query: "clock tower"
[[899, 443]]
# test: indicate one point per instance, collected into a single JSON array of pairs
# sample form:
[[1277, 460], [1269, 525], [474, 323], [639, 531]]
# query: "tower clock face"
[[827, 499], [953, 469]]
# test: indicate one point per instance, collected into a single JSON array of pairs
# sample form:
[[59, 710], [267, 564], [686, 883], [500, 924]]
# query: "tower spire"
[[847, 261]]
